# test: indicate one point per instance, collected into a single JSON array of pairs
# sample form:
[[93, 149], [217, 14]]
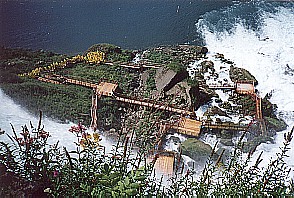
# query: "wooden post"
[[94, 109]]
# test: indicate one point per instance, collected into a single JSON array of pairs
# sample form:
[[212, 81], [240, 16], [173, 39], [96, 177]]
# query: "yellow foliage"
[[95, 57]]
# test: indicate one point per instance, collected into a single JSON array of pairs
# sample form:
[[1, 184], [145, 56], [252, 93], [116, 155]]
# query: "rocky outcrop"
[[182, 90], [196, 149], [165, 78], [275, 124], [237, 73]]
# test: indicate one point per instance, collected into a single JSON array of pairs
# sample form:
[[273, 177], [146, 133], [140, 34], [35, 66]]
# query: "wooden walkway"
[[227, 126], [139, 65], [109, 89], [258, 107], [221, 86], [184, 126], [152, 105], [188, 126], [245, 87]]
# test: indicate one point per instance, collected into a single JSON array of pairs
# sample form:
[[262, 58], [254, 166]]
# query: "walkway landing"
[[245, 87]]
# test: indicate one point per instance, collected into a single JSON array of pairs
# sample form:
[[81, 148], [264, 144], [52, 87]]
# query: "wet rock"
[[220, 56], [249, 145], [226, 142], [237, 74], [225, 134], [207, 65], [196, 149], [204, 50], [275, 124], [181, 90], [175, 139], [215, 111]]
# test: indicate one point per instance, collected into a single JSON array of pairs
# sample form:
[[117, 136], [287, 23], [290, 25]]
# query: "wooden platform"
[[227, 126], [245, 87], [188, 127], [165, 163], [106, 89]]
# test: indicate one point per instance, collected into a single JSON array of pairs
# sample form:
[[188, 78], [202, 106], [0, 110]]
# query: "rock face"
[[275, 124], [241, 74], [165, 78], [200, 96], [182, 90], [196, 149]]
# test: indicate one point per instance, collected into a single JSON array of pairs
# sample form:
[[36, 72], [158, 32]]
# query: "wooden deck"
[[221, 86], [184, 126], [152, 105], [188, 127], [245, 87], [227, 126], [164, 163], [106, 89]]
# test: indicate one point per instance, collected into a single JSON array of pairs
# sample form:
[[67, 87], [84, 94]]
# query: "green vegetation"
[[150, 83], [241, 74], [64, 102], [176, 66], [16, 61], [113, 53], [159, 57], [30, 167]]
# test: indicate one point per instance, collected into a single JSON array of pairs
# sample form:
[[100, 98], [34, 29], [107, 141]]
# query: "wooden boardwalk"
[[165, 163], [227, 126], [184, 126], [139, 65], [245, 87], [188, 126], [221, 86], [109, 89], [152, 105]]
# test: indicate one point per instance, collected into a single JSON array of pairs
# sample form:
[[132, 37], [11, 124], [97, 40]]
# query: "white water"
[[12, 113], [266, 55]]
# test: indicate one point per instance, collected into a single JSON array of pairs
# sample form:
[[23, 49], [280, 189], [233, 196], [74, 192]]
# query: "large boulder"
[[237, 73], [196, 149], [166, 78], [275, 124], [182, 90]]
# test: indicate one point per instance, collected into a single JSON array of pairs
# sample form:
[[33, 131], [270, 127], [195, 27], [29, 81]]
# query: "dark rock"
[[175, 139], [196, 149], [250, 145], [215, 111], [237, 73], [227, 142], [207, 65], [225, 134], [204, 50], [165, 78], [275, 124]]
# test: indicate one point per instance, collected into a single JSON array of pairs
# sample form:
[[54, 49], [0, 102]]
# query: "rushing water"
[[17, 116], [265, 47], [255, 35]]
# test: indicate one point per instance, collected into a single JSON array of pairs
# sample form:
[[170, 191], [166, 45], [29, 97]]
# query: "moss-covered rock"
[[248, 146], [215, 111], [237, 73], [196, 149], [275, 124]]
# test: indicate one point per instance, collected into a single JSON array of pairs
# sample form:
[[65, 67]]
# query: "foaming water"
[[268, 53], [12, 113]]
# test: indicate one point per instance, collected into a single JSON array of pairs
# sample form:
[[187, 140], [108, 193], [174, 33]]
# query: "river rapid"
[[265, 47]]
